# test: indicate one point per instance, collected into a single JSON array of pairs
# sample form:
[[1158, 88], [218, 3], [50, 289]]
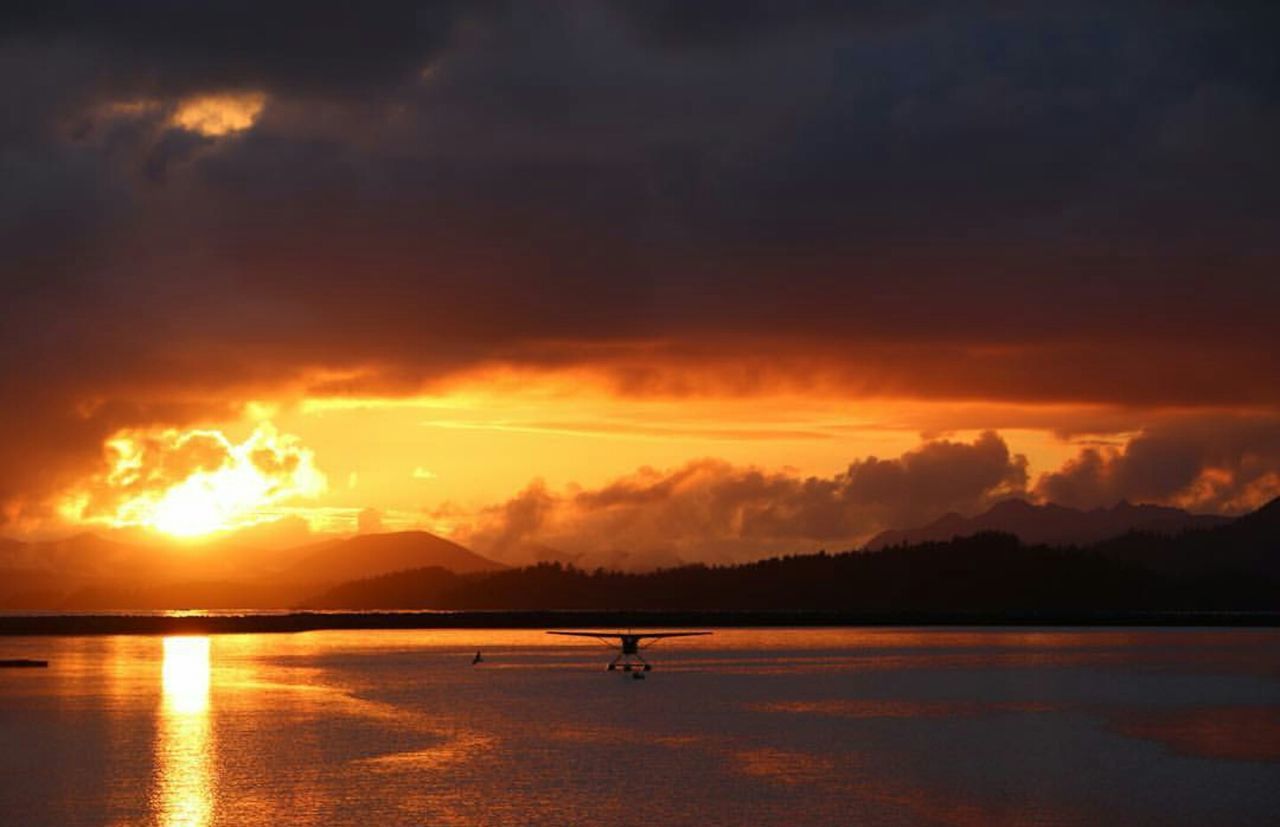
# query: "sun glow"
[[207, 502], [193, 483]]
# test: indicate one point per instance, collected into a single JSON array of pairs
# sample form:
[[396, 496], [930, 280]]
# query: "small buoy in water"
[[477, 659]]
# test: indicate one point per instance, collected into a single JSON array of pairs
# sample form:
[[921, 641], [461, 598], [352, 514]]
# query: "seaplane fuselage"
[[628, 658]]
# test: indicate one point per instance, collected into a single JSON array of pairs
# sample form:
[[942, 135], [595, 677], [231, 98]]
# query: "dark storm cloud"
[[1005, 201], [709, 510], [726, 23], [286, 45]]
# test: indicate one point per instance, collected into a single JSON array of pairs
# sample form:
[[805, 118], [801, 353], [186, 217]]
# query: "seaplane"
[[629, 658]]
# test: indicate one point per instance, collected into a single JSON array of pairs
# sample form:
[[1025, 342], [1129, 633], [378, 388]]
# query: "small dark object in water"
[[477, 659], [22, 663], [637, 676]]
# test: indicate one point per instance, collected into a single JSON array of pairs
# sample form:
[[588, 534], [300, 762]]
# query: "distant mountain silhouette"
[[88, 572], [369, 555], [1248, 546], [80, 555], [1265, 522], [1232, 567], [1052, 524], [41, 574]]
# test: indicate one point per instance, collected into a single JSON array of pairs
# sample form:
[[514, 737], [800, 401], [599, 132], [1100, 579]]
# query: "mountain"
[[81, 555], [40, 574], [87, 572], [1051, 524], [1265, 522], [1234, 567], [1249, 545], [369, 555]]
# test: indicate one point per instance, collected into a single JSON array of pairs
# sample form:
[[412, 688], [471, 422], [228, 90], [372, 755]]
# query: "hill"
[[1051, 524], [1233, 567], [87, 572], [370, 555]]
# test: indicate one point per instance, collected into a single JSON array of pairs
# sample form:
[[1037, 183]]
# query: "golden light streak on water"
[[184, 786]]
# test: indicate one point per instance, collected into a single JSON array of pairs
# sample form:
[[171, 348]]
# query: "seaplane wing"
[[607, 635], [584, 634]]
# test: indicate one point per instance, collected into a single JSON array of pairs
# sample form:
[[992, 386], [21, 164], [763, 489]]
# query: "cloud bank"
[[1007, 202], [709, 510], [1222, 466], [712, 511]]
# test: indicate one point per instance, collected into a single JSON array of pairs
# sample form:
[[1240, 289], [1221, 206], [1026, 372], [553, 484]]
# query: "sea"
[[869, 726]]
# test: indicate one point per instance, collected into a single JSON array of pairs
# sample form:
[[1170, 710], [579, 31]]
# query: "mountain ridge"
[[88, 571], [1232, 567], [1052, 524]]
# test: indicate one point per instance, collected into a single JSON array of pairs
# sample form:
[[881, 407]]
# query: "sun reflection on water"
[[184, 779]]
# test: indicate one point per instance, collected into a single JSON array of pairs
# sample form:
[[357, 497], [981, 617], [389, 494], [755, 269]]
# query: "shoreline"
[[293, 622]]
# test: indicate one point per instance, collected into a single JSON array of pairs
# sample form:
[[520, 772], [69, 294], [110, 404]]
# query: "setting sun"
[[208, 502], [193, 483]]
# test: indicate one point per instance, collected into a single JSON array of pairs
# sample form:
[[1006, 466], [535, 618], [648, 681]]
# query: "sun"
[[194, 483], [205, 503]]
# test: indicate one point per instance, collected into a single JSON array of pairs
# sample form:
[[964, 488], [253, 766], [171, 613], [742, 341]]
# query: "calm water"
[[956, 727]]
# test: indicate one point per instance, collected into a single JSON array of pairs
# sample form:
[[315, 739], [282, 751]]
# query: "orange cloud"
[[1221, 465], [218, 115], [712, 511]]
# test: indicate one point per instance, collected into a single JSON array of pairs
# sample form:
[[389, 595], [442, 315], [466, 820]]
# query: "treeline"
[[1230, 568]]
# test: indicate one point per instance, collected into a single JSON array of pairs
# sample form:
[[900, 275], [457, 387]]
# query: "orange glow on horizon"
[[442, 458]]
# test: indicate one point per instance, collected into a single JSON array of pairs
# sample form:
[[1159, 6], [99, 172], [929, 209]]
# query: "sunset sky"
[[638, 281]]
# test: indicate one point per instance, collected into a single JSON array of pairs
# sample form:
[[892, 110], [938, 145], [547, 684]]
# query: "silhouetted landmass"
[[88, 573], [1234, 567], [989, 577], [338, 560], [126, 624], [198, 594], [1052, 524]]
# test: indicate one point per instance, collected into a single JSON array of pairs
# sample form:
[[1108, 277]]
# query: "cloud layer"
[[1223, 465], [712, 511], [709, 510], [1018, 202]]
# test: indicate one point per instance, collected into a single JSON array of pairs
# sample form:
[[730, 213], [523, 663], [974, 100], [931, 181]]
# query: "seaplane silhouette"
[[629, 658]]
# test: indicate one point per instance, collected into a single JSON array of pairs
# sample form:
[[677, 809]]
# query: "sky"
[[632, 282]]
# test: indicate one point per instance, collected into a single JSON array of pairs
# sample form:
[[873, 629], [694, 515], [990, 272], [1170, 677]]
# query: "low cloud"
[[710, 510], [1222, 466]]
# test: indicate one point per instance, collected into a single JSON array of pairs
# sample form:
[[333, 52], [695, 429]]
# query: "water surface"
[[812, 726]]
